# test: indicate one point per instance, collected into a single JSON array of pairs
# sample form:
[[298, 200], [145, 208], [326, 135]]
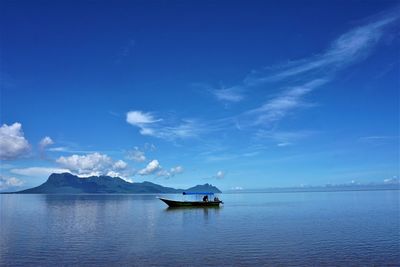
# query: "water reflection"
[[189, 212], [251, 229]]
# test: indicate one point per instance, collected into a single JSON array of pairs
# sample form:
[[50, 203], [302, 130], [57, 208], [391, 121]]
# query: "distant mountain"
[[203, 188], [66, 183]]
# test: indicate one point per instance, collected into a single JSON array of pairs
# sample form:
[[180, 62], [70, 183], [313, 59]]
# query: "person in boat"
[[205, 198], [216, 199]]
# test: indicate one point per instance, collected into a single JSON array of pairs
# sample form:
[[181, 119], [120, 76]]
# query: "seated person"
[[205, 198]]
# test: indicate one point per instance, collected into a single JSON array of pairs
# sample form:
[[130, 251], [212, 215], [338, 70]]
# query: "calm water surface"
[[335, 228]]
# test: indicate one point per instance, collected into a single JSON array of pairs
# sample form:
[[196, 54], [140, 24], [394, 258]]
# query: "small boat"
[[176, 203]]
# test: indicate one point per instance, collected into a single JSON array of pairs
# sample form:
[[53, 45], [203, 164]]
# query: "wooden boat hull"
[[176, 204]]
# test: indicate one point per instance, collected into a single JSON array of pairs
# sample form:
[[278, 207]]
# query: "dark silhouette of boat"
[[205, 203]]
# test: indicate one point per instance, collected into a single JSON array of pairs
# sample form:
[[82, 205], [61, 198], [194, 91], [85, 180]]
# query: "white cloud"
[[91, 164], [70, 150], [46, 141], [59, 149], [220, 175], [306, 75], [278, 107], [237, 188], [151, 126], [119, 175], [95, 162], [312, 73], [284, 144], [137, 155], [176, 170], [12, 142], [345, 50], [163, 173], [149, 147], [120, 165], [9, 182], [393, 180], [233, 94], [171, 172], [284, 138], [38, 171], [139, 118], [151, 168]]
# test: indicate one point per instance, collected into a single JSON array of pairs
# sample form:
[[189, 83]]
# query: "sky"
[[238, 94]]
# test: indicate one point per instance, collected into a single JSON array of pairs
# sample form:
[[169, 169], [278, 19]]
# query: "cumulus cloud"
[[120, 165], [171, 172], [9, 182], [12, 142], [91, 164], [137, 155], [117, 174], [151, 168]]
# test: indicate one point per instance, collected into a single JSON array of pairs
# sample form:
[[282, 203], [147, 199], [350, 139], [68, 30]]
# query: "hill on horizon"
[[67, 183]]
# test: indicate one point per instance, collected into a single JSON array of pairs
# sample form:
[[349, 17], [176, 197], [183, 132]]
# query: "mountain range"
[[66, 183]]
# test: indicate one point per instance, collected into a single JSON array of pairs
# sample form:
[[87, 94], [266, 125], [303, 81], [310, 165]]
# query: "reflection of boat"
[[175, 203]]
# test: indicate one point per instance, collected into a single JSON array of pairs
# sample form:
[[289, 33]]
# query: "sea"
[[353, 228]]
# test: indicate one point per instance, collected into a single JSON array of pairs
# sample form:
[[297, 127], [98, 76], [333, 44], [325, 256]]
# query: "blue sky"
[[234, 93]]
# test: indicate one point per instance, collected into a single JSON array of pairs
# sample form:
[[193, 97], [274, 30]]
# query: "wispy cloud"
[[284, 138], [59, 149], [279, 107], [149, 125], [292, 82], [74, 149], [308, 74], [349, 48], [233, 94], [378, 139]]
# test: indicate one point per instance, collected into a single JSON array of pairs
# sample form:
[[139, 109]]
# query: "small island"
[[67, 183]]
